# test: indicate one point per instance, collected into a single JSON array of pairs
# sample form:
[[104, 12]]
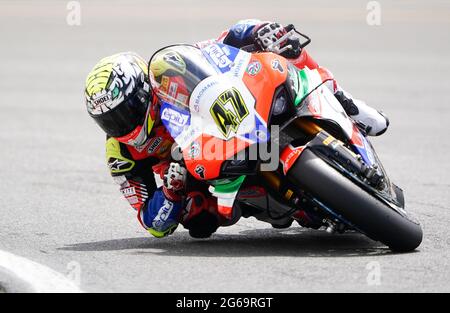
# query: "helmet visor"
[[124, 118]]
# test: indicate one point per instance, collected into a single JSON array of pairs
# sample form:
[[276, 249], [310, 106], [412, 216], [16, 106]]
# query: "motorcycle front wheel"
[[346, 199]]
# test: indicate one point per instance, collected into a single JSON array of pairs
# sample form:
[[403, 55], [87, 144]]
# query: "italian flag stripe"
[[304, 87]]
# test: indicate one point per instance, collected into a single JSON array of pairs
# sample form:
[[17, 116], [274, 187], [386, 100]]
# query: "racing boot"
[[369, 120]]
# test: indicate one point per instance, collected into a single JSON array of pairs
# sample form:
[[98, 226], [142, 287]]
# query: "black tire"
[[371, 216]]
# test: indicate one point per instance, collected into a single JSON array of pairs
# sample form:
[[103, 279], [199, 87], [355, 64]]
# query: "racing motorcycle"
[[219, 103]]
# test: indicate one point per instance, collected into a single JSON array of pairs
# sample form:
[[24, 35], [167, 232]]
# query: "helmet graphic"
[[118, 98]]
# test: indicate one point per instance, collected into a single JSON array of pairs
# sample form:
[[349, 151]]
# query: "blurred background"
[[58, 203]]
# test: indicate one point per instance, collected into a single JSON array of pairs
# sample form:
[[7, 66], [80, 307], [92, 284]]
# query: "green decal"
[[303, 88], [230, 187]]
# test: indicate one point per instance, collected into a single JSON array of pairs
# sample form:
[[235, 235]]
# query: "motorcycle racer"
[[138, 146]]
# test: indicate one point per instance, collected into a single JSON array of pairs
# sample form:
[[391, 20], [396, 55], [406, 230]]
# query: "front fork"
[[276, 182], [309, 128]]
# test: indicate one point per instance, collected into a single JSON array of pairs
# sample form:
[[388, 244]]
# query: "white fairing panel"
[[323, 105], [203, 98]]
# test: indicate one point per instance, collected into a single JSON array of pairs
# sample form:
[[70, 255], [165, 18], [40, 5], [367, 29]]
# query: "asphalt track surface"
[[58, 204]]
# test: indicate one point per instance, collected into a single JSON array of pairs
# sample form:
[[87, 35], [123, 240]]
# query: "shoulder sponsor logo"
[[253, 68], [154, 144]]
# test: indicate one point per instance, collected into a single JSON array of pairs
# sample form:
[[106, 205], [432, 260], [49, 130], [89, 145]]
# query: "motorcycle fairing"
[[362, 146], [228, 106], [221, 56], [176, 119], [315, 100]]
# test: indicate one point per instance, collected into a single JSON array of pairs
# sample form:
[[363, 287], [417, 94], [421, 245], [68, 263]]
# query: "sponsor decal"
[[173, 90], [175, 120], [111, 81], [116, 164], [133, 200], [221, 56], [175, 60], [238, 65], [289, 156], [328, 140], [102, 99], [357, 138], [194, 150], [165, 83], [163, 214], [128, 191], [202, 92], [174, 117], [253, 68], [276, 65], [200, 171], [188, 136], [335, 144], [154, 144]]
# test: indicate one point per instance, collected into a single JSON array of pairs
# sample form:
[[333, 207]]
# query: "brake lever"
[[273, 46]]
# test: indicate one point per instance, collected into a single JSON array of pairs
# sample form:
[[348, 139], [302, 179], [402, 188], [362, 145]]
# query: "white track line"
[[39, 277]]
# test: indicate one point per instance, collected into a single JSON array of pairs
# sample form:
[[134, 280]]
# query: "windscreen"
[[175, 72]]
